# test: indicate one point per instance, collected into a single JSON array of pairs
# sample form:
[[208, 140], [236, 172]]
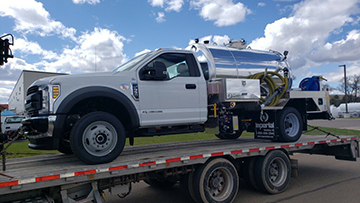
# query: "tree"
[[352, 88]]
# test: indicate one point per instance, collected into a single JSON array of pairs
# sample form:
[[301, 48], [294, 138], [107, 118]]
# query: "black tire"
[[273, 172], [97, 137], [186, 184], [216, 181], [290, 125], [65, 148], [229, 136], [248, 172], [162, 184]]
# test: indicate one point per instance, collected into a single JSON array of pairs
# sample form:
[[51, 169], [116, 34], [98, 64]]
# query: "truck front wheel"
[[230, 136], [97, 137]]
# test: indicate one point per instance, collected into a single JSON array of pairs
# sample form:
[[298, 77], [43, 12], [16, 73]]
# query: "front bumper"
[[39, 127]]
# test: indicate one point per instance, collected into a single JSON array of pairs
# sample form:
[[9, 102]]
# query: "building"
[[18, 95]]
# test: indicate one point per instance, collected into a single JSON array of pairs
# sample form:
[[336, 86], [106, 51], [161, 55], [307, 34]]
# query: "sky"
[[81, 36]]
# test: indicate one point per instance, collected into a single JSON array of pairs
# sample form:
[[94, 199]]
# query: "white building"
[[18, 95]]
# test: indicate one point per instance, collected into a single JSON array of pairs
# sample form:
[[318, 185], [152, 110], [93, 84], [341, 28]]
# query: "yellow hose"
[[271, 85]]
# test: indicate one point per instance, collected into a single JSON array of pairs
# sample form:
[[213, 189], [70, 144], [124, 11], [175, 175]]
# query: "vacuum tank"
[[235, 61]]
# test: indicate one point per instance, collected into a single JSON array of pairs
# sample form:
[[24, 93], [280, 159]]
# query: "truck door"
[[178, 98]]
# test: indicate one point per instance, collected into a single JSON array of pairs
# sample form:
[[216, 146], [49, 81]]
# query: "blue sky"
[[68, 36]]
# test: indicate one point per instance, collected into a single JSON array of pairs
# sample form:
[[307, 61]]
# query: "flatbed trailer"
[[208, 170]]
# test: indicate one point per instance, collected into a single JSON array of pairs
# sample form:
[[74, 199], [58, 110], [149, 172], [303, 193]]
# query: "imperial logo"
[[264, 117]]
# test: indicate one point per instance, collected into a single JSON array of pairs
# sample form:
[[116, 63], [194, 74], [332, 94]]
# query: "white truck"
[[11, 124], [170, 91]]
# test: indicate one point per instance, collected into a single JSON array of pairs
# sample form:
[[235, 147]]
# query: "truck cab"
[[160, 92]]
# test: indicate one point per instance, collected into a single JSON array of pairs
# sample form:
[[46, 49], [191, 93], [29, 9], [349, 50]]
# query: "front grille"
[[33, 101], [31, 90]]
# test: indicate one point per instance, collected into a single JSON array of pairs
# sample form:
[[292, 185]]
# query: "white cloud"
[[31, 17], [307, 29], [155, 3], [161, 17], [261, 4], [343, 50], [142, 52], [26, 47], [174, 5], [92, 2], [5, 94], [219, 40], [170, 5], [223, 12], [101, 49]]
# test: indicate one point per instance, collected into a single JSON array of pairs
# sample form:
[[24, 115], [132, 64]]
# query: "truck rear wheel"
[[273, 172], [97, 137], [216, 181], [290, 125]]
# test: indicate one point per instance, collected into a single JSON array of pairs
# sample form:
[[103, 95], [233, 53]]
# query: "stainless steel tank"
[[229, 62]]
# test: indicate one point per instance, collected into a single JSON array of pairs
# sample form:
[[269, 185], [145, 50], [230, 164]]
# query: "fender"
[[97, 91]]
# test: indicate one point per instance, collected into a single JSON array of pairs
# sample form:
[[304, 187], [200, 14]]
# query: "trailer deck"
[[32, 173]]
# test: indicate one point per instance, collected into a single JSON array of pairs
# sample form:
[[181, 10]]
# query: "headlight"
[[49, 95]]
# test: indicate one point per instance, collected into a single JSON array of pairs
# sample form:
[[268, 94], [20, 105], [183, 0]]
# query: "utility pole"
[[345, 82]]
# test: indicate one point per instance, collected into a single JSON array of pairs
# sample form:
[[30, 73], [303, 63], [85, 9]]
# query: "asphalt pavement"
[[344, 123]]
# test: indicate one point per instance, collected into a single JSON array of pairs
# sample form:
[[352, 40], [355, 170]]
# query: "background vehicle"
[[169, 92], [11, 124]]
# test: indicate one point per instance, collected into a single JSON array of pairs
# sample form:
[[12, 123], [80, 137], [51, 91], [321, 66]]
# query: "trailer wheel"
[[97, 137], [273, 172], [248, 172], [162, 184], [290, 125], [229, 136], [216, 181], [186, 184]]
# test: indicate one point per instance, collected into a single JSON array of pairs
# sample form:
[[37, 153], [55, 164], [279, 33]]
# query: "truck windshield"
[[130, 64], [14, 119]]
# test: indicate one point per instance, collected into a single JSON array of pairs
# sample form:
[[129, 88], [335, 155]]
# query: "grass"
[[20, 149]]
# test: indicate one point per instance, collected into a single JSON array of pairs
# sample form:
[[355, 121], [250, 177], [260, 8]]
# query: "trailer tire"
[[98, 137], [249, 172], [216, 181], [273, 172], [228, 136], [186, 184], [290, 125]]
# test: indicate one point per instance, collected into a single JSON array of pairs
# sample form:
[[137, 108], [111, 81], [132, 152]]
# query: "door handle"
[[190, 86]]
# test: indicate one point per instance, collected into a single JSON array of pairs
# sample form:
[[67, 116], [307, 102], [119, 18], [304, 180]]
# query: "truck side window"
[[176, 65]]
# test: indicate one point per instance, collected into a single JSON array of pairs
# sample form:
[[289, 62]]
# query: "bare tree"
[[352, 87]]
